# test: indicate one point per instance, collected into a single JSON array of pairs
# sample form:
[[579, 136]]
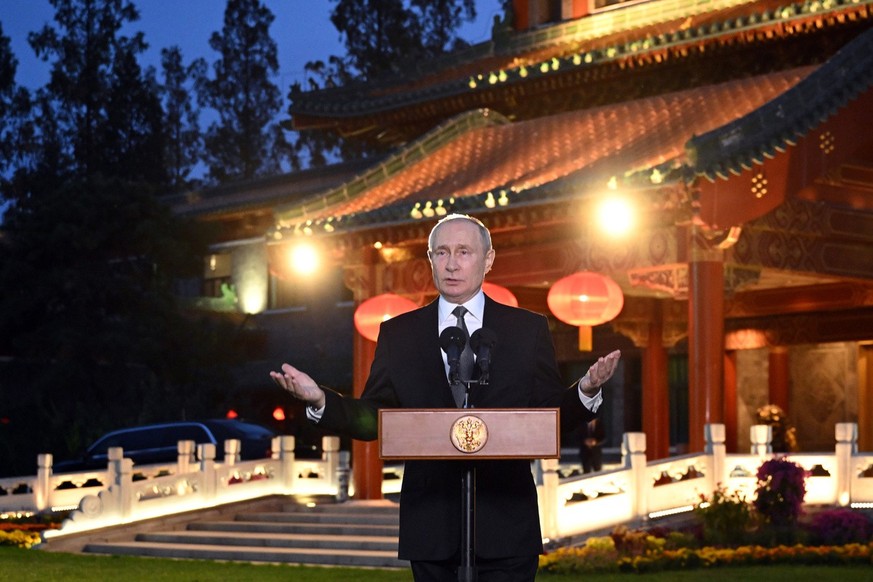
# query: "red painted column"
[[656, 396], [366, 464], [730, 401], [705, 343], [778, 377]]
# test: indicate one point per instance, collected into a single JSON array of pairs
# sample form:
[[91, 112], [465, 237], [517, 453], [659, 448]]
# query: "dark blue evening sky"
[[302, 30]]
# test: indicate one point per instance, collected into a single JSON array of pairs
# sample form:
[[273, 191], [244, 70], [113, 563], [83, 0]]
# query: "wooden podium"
[[465, 434], [469, 433]]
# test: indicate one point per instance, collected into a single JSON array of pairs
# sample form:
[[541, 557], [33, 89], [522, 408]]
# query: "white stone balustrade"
[[635, 491]]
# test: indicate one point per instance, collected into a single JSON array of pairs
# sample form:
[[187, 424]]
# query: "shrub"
[[726, 518], [780, 491], [630, 542], [839, 526]]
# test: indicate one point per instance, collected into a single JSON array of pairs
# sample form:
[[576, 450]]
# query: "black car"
[[158, 443]]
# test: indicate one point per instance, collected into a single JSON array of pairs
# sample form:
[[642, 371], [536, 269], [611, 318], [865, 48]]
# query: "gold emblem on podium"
[[469, 434]]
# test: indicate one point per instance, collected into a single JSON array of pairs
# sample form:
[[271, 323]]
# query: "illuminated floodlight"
[[615, 216], [304, 259]]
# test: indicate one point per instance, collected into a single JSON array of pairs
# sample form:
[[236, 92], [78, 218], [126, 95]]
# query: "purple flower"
[[780, 491]]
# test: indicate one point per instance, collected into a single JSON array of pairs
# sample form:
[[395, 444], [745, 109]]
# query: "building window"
[[216, 272]]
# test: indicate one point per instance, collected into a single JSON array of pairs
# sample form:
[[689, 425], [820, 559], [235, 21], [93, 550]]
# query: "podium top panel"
[[471, 433]]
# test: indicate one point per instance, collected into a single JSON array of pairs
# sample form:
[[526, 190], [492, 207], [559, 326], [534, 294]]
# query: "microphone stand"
[[467, 570]]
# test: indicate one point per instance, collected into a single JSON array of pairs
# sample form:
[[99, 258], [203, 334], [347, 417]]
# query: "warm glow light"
[[615, 216], [745, 339], [231, 413], [253, 295], [304, 259], [279, 413]]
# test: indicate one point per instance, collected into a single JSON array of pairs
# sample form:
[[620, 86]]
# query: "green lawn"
[[35, 565]]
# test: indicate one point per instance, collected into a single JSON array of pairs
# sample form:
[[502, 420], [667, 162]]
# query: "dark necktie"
[[465, 371]]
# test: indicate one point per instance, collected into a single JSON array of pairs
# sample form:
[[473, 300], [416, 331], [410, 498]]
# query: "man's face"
[[458, 260]]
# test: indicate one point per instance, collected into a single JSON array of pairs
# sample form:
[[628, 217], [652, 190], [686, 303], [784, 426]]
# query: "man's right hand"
[[300, 385]]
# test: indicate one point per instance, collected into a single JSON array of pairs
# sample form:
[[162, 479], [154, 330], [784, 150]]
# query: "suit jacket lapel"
[[432, 354]]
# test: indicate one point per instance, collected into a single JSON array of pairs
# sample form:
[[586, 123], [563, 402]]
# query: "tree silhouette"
[[183, 139], [381, 37], [91, 334], [14, 102], [242, 143], [104, 107]]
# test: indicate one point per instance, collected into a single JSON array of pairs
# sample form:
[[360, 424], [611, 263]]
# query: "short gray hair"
[[483, 230]]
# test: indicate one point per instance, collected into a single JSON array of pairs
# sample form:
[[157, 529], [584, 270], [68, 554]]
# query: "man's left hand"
[[599, 372]]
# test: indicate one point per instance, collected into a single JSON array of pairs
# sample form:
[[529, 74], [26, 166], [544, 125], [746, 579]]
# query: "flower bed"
[[19, 538], [731, 531], [24, 531], [601, 555]]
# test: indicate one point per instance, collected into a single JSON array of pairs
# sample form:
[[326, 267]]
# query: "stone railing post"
[[761, 436], [714, 437], [113, 458], [634, 445], [206, 454], [343, 474], [285, 453], [232, 452], [42, 492], [551, 480], [846, 434], [185, 456], [124, 482], [330, 453]]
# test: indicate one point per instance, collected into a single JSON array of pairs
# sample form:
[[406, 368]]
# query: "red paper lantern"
[[499, 294], [372, 312], [585, 299]]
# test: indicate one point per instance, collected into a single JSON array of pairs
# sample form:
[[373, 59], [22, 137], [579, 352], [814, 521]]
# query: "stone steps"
[[353, 534]]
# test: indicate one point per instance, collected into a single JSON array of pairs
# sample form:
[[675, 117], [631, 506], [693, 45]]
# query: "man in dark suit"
[[410, 370], [591, 446]]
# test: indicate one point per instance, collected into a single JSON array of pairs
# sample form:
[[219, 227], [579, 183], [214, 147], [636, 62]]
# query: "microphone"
[[452, 341], [483, 343]]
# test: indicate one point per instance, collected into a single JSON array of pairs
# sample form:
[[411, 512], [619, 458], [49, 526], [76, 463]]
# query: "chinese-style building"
[[740, 132]]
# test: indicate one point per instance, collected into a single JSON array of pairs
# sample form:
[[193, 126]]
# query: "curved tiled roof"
[[777, 124], [712, 131], [533, 53], [262, 193], [647, 34], [523, 162]]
